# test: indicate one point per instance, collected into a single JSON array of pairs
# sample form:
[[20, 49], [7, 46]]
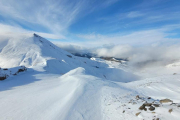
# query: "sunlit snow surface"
[[60, 86]]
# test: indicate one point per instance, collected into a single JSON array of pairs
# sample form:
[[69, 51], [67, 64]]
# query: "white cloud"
[[138, 56], [8, 29], [140, 47], [144, 37], [159, 55], [55, 15]]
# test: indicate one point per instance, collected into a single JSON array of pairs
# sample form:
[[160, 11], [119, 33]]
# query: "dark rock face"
[[142, 107], [97, 67], [22, 69], [147, 104], [137, 97], [69, 56], [156, 105], [3, 78], [152, 108], [36, 35]]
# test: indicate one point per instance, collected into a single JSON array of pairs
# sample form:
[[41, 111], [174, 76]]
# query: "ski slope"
[[58, 85]]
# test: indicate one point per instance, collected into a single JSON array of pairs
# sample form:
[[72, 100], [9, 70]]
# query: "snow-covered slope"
[[72, 96], [60, 86], [38, 53]]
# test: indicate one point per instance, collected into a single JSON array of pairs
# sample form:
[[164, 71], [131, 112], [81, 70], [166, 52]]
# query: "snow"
[[58, 85], [36, 52], [5, 73]]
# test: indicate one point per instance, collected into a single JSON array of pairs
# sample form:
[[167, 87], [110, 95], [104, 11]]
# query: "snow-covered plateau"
[[40, 81]]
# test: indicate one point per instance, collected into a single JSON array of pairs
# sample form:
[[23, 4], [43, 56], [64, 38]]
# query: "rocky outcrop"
[[166, 101], [152, 108], [5, 73], [138, 113]]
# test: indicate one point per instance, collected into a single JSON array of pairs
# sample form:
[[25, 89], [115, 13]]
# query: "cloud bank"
[[138, 56], [142, 55]]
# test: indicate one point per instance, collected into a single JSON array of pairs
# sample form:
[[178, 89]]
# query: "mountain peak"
[[36, 35]]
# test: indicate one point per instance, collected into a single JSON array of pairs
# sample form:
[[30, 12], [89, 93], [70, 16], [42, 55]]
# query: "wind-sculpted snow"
[[60, 86], [72, 96]]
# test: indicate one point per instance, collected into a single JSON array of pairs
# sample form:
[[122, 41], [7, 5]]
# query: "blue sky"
[[94, 22]]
